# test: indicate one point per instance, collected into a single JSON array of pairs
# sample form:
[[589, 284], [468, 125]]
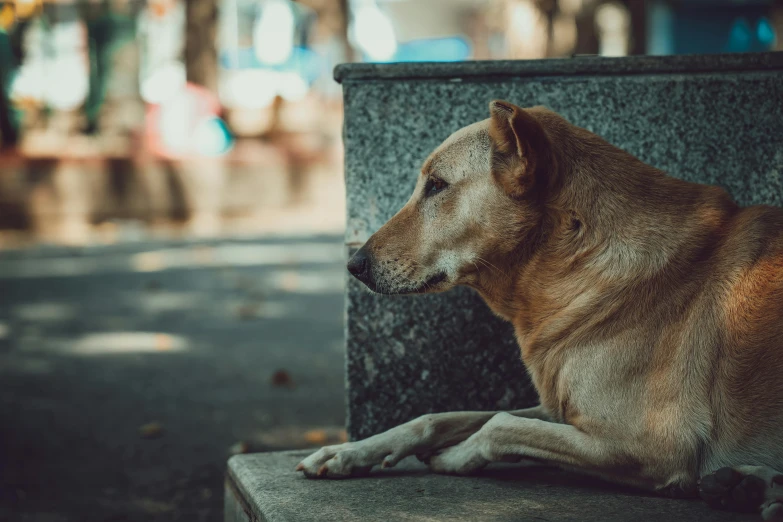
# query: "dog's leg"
[[420, 436], [745, 488], [506, 438]]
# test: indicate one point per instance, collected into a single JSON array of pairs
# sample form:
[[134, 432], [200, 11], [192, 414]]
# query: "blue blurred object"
[[700, 27], [212, 137], [765, 32], [453, 49], [306, 63], [740, 36]]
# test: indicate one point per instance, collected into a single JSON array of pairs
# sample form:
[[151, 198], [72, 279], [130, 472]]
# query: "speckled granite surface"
[[410, 355], [265, 487]]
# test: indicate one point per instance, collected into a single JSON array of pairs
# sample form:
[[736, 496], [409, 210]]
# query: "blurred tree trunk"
[[201, 19], [333, 18], [8, 125], [776, 19], [202, 179], [638, 33], [345, 19], [586, 34], [108, 30]]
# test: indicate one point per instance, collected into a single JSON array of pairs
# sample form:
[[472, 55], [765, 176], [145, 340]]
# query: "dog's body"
[[649, 312]]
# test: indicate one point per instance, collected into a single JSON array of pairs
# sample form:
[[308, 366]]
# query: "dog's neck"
[[607, 228]]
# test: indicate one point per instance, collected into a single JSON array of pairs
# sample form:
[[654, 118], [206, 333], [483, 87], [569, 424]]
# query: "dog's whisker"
[[493, 267]]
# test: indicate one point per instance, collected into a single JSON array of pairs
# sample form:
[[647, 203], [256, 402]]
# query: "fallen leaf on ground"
[[282, 379], [315, 436], [151, 430], [249, 311], [296, 437], [239, 448], [151, 505], [163, 342]]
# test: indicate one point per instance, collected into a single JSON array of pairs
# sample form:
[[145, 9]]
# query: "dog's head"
[[477, 198]]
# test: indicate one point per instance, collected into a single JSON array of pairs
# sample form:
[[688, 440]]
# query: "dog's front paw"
[[351, 459], [462, 459], [340, 461]]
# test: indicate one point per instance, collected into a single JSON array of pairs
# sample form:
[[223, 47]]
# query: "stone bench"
[[711, 119], [264, 487]]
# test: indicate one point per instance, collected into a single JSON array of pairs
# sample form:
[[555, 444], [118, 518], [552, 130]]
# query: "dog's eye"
[[433, 186]]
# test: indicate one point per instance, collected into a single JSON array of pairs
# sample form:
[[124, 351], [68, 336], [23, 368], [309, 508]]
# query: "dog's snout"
[[359, 266]]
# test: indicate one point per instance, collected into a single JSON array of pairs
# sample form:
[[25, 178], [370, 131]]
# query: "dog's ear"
[[520, 148]]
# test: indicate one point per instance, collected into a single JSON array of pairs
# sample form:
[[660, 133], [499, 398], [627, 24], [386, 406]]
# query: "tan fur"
[[648, 310]]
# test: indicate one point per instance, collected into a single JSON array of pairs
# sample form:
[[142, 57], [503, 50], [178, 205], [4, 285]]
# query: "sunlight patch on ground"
[[236, 255], [148, 262], [160, 302], [299, 282], [128, 342], [44, 312]]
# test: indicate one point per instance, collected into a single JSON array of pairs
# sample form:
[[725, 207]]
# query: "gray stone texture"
[[709, 119], [264, 487]]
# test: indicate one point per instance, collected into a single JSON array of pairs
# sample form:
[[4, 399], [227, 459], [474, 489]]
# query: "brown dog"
[[649, 312]]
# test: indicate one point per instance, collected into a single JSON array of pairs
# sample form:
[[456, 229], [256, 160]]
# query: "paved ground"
[[129, 374]]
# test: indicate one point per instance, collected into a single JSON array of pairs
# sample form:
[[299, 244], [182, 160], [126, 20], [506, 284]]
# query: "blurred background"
[[171, 218], [123, 119]]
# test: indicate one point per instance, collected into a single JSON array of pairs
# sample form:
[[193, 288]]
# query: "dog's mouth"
[[431, 283]]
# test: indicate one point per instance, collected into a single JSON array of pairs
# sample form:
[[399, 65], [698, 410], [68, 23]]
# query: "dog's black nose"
[[359, 266]]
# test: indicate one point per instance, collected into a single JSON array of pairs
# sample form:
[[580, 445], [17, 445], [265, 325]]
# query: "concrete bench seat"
[[264, 487]]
